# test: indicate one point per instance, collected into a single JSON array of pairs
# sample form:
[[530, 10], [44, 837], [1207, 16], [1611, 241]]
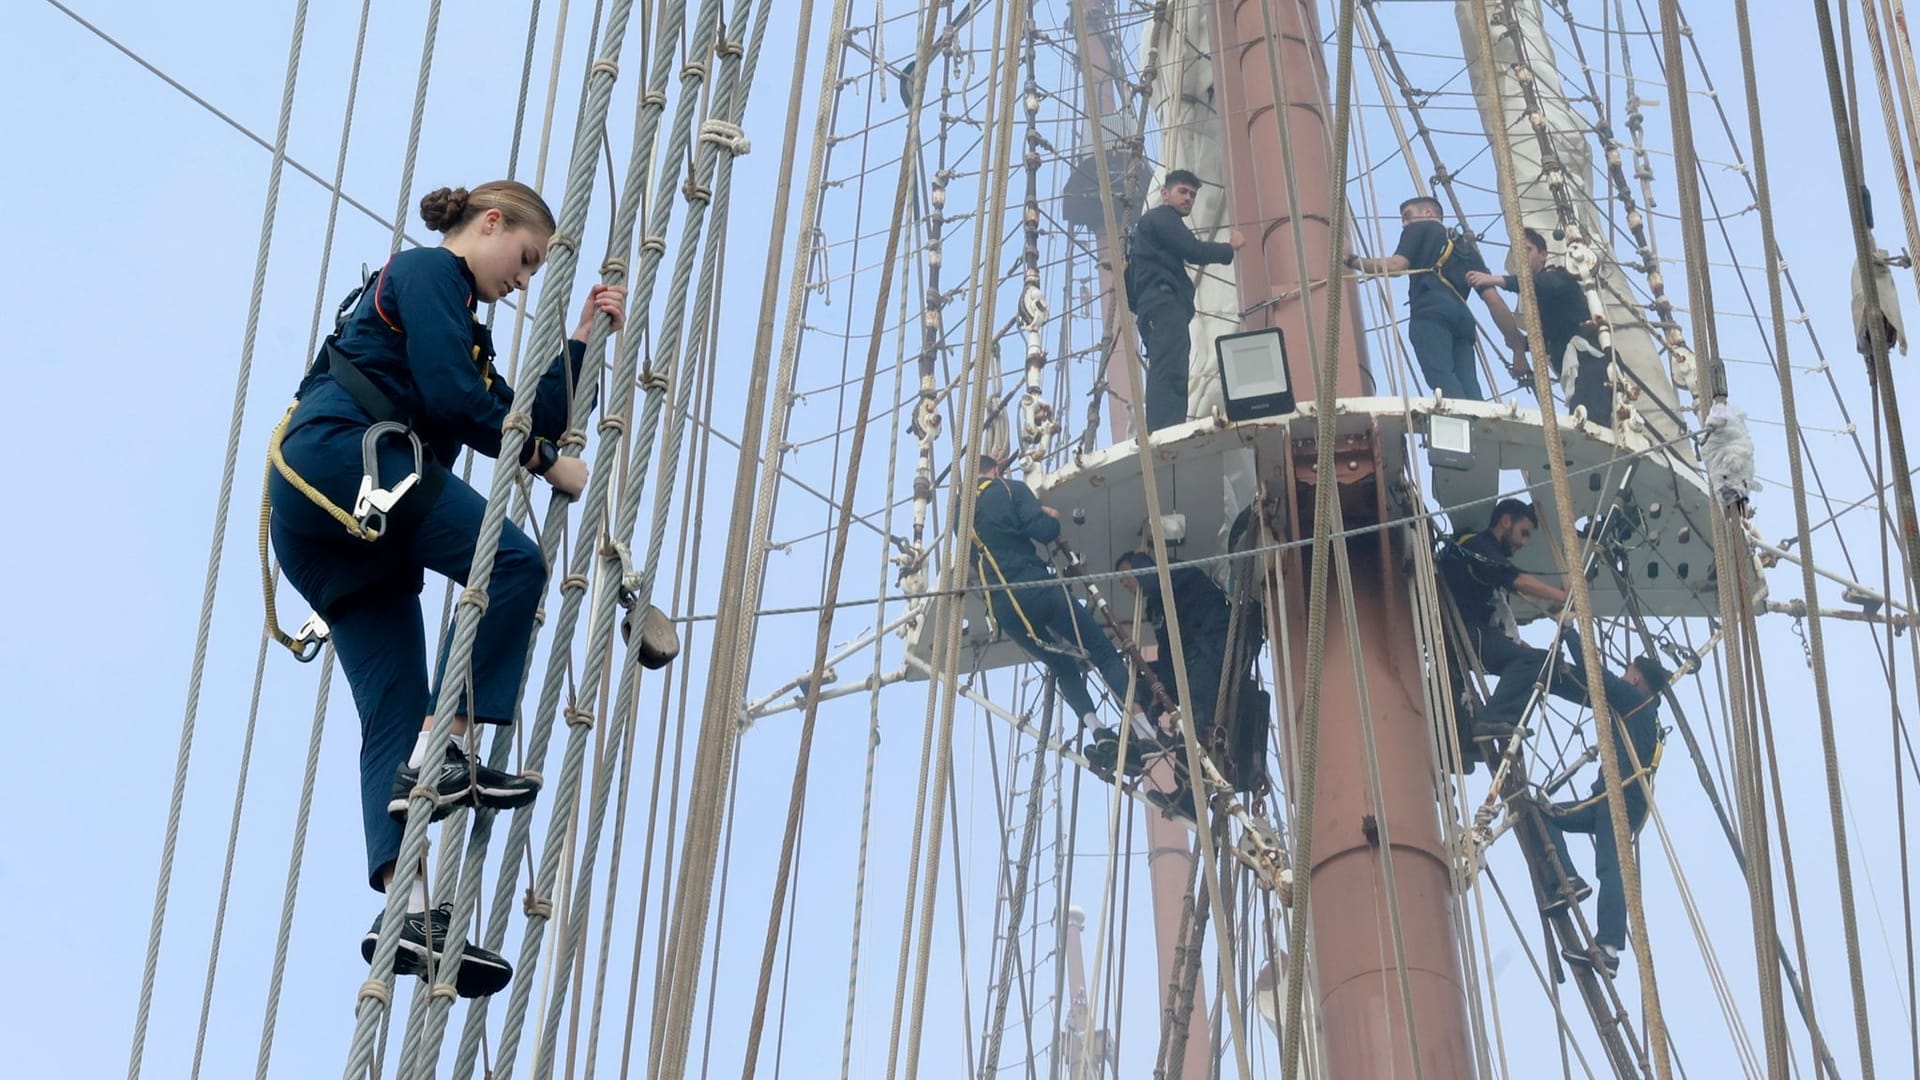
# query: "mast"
[[1279, 156]]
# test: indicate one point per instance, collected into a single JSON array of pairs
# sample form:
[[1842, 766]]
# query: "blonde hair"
[[448, 210]]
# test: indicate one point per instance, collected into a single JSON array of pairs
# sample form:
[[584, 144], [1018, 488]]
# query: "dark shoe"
[[481, 972], [1177, 804], [496, 790], [463, 783], [1577, 890], [1496, 731], [451, 784], [1103, 753], [1609, 958]]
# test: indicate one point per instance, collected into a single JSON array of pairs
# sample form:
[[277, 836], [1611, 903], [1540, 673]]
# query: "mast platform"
[[1661, 523]]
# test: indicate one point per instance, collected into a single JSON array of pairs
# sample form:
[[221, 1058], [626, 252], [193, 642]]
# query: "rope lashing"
[[727, 136]]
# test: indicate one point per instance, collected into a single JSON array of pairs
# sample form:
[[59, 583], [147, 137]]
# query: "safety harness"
[[987, 569], [378, 511]]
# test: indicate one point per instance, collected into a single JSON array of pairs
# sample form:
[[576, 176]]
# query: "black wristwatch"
[[545, 455]]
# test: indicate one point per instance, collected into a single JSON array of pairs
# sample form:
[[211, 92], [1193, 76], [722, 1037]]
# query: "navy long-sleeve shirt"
[[1636, 713], [1158, 254], [414, 335], [1007, 523]]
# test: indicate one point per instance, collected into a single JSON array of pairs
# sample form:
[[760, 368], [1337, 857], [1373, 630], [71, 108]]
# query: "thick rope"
[[727, 678], [1209, 852], [1882, 378], [1580, 595], [611, 564], [984, 294], [203, 632], [1789, 414], [547, 328], [729, 100]]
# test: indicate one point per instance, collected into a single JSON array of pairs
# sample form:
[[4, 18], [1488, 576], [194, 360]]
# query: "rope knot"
[[533, 775], [375, 990], [535, 907], [694, 70], [655, 244], [727, 136], [613, 265], [613, 425], [655, 380], [562, 240], [519, 420], [578, 717], [575, 582], [442, 992], [654, 99], [609, 68], [474, 598], [573, 439]]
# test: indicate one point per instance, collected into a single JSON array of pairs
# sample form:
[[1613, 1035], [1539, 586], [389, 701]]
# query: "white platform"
[[1665, 520]]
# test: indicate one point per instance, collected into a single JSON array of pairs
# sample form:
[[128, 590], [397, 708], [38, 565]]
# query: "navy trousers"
[[1057, 618], [1442, 339], [379, 632], [1166, 338], [1594, 818]]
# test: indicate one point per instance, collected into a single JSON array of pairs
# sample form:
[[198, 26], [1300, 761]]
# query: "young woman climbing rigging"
[[403, 385]]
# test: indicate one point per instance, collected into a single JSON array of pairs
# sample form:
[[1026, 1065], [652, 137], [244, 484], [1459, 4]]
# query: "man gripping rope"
[[1054, 628]]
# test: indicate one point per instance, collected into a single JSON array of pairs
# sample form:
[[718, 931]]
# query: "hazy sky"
[[136, 218]]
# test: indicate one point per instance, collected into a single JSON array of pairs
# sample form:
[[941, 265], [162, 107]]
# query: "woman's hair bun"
[[443, 208]]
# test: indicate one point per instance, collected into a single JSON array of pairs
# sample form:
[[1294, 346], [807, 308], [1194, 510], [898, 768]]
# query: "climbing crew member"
[[1439, 326], [1160, 292], [1634, 701], [404, 383], [1205, 615], [1481, 577], [1564, 319], [1053, 627]]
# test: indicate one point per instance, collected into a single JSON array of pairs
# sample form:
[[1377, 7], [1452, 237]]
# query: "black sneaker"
[[462, 783], [1577, 890], [1176, 804], [1103, 753], [1609, 958], [496, 790], [481, 972], [1497, 731], [451, 783]]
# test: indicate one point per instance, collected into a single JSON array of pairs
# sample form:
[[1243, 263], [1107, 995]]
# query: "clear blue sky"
[[136, 216]]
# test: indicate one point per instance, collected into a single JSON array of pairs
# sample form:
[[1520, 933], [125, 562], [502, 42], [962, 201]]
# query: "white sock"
[[419, 755], [417, 896]]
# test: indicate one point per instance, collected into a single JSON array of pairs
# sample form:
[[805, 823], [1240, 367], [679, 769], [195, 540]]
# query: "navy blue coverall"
[[1637, 713], [1160, 292], [1007, 522], [413, 335]]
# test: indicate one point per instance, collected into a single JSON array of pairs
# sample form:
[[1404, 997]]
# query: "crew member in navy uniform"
[[1634, 701], [1481, 577], [1564, 320], [1054, 628], [1439, 326], [1160, 292], [405, 383]]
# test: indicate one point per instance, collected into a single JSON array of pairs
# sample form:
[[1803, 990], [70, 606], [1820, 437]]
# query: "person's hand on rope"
[[1518, 366], [1236, 240], [568, 476], [1051, 512], [610, 300], [1516, 340]]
